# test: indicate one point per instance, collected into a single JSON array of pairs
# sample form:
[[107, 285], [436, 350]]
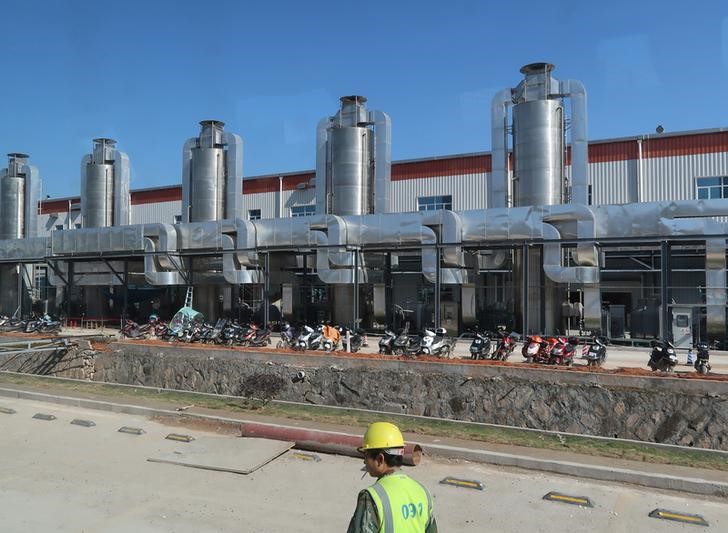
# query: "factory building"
[[545, 232]]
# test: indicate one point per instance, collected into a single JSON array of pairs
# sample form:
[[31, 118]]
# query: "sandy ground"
[[60, 477]]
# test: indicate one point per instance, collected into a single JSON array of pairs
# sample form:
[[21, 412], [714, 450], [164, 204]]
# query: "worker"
[[395, 503]]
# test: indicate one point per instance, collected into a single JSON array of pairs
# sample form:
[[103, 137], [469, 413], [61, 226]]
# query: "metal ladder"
[[188, 296]]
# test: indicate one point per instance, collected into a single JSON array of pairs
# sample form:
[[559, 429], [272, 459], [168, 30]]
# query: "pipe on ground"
[[322, 441]]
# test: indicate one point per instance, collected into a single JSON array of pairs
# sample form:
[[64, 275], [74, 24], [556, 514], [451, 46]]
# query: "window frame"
[[303, 210], [711, 187], [435, 202], [252, 214]]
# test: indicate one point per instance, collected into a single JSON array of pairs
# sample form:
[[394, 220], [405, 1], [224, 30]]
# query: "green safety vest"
[[403, 504]]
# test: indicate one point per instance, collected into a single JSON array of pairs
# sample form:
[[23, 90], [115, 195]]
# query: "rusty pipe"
[[322, 441]]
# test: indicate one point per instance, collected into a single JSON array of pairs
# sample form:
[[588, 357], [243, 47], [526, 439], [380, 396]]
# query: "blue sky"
[[145, 73]]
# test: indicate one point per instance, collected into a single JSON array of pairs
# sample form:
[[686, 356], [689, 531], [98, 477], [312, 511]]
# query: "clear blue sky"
[[145, 73]]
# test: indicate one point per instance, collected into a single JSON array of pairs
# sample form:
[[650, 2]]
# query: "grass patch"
[[644, 452]]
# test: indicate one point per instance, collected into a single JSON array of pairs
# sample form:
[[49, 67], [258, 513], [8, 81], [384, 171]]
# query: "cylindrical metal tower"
[[98, 193], [12, 198], [208, 176], [538, 140], [105, 186], [352, 162]]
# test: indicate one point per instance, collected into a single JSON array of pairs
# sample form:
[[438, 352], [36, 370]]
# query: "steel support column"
[[355, 322], [438, 283], [665, 283], [524, 288], [126, 293], [266, 291]]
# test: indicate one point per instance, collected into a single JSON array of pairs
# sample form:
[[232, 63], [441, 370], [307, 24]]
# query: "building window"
[[433, 203], [711, 188], [177, 219], [303, 210], [77, 225], [254, 214], [59, 227]]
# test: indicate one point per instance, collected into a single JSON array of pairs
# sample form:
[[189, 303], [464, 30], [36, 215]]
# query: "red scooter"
[[563, 351], [505, 346], [531, 347]]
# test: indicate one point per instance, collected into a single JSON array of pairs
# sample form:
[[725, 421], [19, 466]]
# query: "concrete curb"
[[645, 479]]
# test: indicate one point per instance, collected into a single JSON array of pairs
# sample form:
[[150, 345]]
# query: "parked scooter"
[[386, 343], [480, 347], [288, 337], [261, 337], [701, 363], [543, 355], [663, 356], [531, 347], [332, 337], [563, 351], [356, 338], [406, 344], [504, 348], [437, 343], [597, 353], [309, 338]]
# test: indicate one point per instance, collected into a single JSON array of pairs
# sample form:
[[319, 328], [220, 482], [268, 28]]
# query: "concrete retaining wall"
[[667, 410]]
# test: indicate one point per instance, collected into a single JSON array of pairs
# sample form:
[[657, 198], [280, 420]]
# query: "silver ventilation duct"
[[212, 174], [19, 196], [538, 141], [105, 177], [353, 160]]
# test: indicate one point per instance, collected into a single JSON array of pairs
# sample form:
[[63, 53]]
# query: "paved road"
[[59, 477]]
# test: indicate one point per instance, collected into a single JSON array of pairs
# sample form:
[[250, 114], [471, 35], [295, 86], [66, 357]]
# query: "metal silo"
[[539, 141], [353, 160], [353, 169], [105, 186], [19, 195], [212, 174], [538, 177], [212, 188]]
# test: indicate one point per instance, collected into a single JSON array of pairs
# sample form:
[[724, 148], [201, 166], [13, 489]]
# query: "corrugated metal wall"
[[267, 202], [468, 191], [163, 212], [611, 182], [673, 178]]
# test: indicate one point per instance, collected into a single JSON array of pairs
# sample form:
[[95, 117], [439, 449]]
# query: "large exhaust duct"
[[105, 186]]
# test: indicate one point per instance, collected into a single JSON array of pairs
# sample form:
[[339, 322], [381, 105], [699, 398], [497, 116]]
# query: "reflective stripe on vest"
[[403, 504]]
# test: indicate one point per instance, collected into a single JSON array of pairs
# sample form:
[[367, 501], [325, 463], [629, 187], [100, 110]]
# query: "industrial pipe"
[[322, 441]]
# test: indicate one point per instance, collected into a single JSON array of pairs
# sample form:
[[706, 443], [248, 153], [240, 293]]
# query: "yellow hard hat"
[[382, 436]]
